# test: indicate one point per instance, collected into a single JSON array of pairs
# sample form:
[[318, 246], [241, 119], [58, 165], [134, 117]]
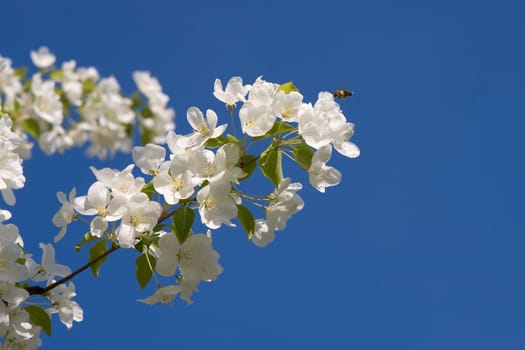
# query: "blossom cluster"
[[179, 188], [18, 327], [71, 106], [201, 172]]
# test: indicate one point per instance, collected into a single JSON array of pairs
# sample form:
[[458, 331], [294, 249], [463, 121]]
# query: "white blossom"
[[163, 295], [262, 234], [320, 174], [48, 269], [148, 158], [141, 216], [284, 202], [67, 309], [216, 206], [46, 104], [256, 115], [235, 91], [204, 129], [43, 58]]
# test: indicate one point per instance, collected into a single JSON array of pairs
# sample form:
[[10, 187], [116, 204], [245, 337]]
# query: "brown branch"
[[32, 290]]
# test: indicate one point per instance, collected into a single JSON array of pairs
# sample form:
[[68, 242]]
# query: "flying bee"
[[342, 94]]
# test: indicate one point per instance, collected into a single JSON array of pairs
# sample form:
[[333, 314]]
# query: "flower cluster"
[[71, 106], [201, 173], [12, 148], [17, 270], [196, 179]]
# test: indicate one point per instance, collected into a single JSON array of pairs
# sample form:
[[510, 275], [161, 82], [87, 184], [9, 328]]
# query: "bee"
[[342, 94]]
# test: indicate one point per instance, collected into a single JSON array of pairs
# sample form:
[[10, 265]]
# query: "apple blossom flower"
[[67, 309], [284, 202], [9, 231], [48, 269], [12, 294], [216, 205], [204, 129], [324, 124], [55, 140], [262, 234], [235, 91], [148, 158], [11, 270], [65, 214], [105, 116], [163, 295], [99, 201], [46, 103], [198, 260], [161, 120], [287, 105], [168, 255], [43, 58], [121, 183], [174, 183], [321, 175], [141, 216], [10, 85]]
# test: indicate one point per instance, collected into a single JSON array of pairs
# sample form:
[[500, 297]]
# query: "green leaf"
[[149, 189], [182, 222], [56, 74], [145, 265], [39, 317], [31, 126], [247, 164], [146, 112], [287, 88], [20, 72], [278, 128], [303, 155], [136, 101], [216, 142], [27, 85], [88, 237], [146, 136], [89, 85], [270, 163], [246, 220], [97, 250]]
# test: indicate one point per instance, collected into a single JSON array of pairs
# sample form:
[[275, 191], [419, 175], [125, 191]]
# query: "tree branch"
[[37, 290]]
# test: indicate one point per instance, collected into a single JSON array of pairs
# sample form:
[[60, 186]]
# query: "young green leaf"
[[145, 265], [270, 163], [303, 155], [88, 86], [20, 72], [246, 220], [216, 142], [278, 127], [182, 222], [97, 250], [39, 317], [31, 126], [287, 88], [149, 189]]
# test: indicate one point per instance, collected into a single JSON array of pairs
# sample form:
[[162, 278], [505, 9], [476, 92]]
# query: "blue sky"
[[420, 247]]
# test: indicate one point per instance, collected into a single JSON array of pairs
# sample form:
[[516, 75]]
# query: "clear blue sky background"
[[420, 247]]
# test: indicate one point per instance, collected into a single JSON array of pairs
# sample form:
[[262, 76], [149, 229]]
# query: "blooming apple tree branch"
[[176, 184]]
